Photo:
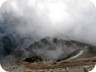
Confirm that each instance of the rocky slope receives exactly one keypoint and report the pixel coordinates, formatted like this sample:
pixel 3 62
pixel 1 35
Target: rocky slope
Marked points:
pixel 58 49
pixel 52 49
pixel 52 54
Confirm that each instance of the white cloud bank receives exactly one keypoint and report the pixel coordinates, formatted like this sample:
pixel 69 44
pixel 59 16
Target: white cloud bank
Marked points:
pixel 58 18
pixel 1 2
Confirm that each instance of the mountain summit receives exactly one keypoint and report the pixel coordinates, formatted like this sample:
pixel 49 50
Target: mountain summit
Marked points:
pixel 58 49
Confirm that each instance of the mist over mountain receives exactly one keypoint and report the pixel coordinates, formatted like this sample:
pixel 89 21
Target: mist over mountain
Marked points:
pixel 51 49
pixel 56 49
pixel 22 23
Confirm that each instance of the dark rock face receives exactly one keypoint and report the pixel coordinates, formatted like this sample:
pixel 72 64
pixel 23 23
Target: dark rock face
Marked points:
pixel 34 59
pixel 7 45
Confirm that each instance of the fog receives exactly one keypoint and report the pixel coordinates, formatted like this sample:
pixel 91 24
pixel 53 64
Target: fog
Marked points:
pixel 27 21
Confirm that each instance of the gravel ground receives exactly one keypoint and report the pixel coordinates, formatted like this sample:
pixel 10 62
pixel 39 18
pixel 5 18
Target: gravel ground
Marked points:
pixel 15 68
pixel 74 66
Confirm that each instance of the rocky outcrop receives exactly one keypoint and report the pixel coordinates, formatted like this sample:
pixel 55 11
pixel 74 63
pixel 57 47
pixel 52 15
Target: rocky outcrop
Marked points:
pixel 34 59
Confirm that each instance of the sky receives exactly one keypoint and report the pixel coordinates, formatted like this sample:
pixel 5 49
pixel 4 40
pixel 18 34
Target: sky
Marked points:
pixel 71 19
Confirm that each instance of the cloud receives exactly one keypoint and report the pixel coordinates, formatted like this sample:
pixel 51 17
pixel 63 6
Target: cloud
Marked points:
pixel 1 2
pixel 23 22
pixel 94 2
